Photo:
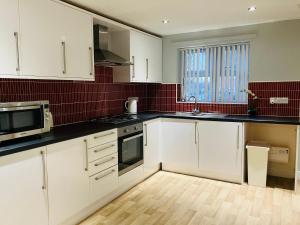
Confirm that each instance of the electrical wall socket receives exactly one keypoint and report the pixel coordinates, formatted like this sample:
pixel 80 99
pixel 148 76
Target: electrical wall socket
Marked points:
pixel 274 100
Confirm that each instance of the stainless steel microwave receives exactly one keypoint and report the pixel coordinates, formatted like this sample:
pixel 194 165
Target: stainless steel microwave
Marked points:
pixel 21 119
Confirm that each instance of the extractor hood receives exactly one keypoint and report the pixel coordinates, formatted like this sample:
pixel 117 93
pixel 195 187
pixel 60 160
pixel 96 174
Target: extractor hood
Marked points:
pixel 102 56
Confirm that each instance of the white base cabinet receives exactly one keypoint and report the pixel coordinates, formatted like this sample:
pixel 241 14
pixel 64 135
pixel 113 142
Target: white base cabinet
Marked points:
pixel 221 148
pixel 22 197
pixel 204 148
pixel 151 147
pixel 179 144
pixel 68 180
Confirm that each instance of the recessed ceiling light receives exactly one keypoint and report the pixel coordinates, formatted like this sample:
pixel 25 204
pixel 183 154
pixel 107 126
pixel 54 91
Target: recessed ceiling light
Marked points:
pixel 165 21
pixel 252 8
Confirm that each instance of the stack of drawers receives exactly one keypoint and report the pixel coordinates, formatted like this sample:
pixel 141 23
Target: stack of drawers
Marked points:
pixel 102 149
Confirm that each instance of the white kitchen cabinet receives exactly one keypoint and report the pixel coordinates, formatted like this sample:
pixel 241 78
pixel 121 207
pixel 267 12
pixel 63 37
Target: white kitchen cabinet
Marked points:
pixel 40 38
pixel 221 150
pixel 179 145
pixel 68 179
pixel 52 47
pixel 23 199
pixel 103 183
pixel 151 147
pixel 154 60
pixel 144 51
pixel 9 31
pixel 77 38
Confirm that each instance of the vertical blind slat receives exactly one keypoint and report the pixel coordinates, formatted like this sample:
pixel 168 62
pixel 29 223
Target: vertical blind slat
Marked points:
pixel 232 87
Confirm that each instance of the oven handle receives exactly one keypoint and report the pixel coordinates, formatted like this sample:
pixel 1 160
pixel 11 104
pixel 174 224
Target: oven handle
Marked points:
pixel 133 137
pixel 7 109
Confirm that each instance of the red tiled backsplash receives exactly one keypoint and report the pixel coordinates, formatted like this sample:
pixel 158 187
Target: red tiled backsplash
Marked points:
pixel 163 98
pixel 74 101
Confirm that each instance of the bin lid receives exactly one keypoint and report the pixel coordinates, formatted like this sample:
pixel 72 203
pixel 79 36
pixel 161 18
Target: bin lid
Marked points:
pixel 258 144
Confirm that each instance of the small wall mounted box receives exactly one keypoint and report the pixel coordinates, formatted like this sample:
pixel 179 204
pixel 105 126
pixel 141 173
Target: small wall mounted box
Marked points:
pixel 274 100
pixel 279 155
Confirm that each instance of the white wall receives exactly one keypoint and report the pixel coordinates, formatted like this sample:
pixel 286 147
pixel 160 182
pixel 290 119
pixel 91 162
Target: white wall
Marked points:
pixel 275 50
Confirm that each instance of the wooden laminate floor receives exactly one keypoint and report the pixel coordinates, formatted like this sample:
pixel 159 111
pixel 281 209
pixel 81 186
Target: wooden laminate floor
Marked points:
pixel 168 198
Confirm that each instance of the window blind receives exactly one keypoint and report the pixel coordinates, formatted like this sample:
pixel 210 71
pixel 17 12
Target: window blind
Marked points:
pixel 215 73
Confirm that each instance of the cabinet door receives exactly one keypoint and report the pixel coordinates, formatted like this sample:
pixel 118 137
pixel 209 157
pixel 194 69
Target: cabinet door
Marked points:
pixel 77 35
pixel 179 144
pixel 221 150
pixel 67 178
pixel 41 51
pixel 151 147
pixel 9 24
pixel 154 59
pixel 23 199
pixel 138 56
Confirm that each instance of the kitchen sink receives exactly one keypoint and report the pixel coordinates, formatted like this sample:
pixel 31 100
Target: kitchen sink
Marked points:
pixel 201 114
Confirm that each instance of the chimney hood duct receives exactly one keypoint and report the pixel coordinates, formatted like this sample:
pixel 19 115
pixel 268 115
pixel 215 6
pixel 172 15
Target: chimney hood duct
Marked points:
pixel 102 56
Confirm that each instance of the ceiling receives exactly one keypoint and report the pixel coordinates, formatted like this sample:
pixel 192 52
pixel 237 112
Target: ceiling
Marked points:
pixel 193 15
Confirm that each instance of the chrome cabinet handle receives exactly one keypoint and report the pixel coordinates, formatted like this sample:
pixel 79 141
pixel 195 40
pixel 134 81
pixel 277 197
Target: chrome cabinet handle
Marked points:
pixel 16 34
pixel 104 161
pixel 195 132
pixel 44 170
pixel 102 149
pixel 86 156
pixel 147 68
pixel 133 67
pixel 103 135
pixel 238 138
pixel 91 60
pixel 63 44
pixel 146 135
pixel 104 175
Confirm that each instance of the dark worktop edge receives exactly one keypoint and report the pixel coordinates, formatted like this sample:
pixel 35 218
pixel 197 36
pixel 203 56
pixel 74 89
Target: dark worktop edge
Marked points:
pixel 77 130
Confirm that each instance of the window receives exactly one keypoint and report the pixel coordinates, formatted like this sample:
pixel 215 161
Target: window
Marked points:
pixel 215 73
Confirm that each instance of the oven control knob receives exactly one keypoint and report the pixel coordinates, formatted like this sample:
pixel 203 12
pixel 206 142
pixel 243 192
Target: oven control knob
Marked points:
pixel 135 128
pixel 126 130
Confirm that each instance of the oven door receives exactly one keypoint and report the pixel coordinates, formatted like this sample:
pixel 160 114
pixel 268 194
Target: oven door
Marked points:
pixel 130 152
pixel 20 121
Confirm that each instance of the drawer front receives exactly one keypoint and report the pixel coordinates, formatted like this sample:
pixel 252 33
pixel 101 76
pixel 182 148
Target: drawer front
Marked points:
pixel 102 138
pixel 102 151
pixel 103 183
pixel 103 164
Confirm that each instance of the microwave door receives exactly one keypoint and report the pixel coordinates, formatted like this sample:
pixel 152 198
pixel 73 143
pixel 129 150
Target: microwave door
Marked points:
pixel 13 121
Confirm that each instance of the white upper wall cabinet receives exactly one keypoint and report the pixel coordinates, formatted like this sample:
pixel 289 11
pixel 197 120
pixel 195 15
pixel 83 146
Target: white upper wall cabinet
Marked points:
pixel 41 52
pixel 77 43
pixel 9 30
pixel 144 51
pixel 154 60
pixel 44 39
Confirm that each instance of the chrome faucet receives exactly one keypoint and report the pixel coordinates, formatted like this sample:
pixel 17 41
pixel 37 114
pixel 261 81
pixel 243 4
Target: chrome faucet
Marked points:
pixel 196 109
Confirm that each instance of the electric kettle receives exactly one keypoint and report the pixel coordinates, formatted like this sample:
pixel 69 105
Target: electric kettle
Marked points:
pixel 131 105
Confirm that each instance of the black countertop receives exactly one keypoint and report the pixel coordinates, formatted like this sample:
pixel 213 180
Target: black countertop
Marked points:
pixel 66 132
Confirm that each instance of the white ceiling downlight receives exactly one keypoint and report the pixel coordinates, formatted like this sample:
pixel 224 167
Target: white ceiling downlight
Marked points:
pixel 252 8
pixel 165 21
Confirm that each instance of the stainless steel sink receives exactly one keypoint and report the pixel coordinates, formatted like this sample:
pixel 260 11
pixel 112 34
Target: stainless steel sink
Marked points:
pixel 202 114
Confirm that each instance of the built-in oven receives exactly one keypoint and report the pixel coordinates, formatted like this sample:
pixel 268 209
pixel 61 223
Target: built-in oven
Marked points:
pixel 20 119
pixel 130 147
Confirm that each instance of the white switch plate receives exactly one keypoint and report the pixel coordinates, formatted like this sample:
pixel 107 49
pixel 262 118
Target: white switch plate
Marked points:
pixel 279 100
